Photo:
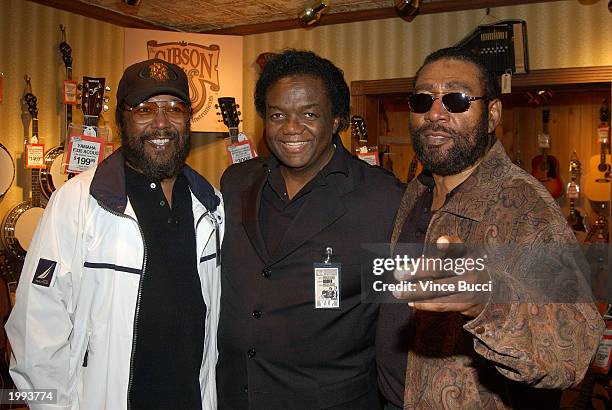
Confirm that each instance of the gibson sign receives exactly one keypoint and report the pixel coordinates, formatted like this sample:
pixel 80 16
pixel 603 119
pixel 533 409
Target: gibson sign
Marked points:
pixel 213 65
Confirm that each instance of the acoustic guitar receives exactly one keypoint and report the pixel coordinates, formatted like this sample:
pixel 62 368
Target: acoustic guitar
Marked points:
pixel 20 223
pixel 228 110
pixel 545 167
pixel 597 179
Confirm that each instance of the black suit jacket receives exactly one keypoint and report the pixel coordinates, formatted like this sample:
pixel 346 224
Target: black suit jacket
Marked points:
pixel 276 351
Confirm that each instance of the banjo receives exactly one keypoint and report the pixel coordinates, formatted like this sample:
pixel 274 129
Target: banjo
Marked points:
pixel 20 223
pixel 7 170
pixel 52 176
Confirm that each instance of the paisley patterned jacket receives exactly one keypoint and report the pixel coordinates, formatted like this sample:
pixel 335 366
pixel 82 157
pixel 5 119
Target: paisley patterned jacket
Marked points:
pixel 513 355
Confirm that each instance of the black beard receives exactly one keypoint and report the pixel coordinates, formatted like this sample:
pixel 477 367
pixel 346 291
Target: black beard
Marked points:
pixel 134 153
pixel 467 148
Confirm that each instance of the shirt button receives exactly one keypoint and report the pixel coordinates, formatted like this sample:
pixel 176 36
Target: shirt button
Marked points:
pixel 162 202
pixel 153 185
pixel 246 389
pixel 251 353
pixel 266 273
pixel 256 314
pixel 480 330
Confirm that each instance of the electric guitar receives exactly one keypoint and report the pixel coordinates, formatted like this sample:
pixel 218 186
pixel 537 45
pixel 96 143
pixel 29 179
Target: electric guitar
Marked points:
pixel 576 218
pixel 545 167
pixel 597 181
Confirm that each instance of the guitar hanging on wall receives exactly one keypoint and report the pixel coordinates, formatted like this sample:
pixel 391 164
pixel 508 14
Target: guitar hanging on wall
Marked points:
pixel 545 167
pixel 365 153
pixel 576 218
pixel 239 147
pixel 20 223
pixel 52 176
pixel 597 179
pixel 86 148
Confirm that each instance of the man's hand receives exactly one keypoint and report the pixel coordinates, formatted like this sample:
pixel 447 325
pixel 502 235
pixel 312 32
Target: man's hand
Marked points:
pixel 438 290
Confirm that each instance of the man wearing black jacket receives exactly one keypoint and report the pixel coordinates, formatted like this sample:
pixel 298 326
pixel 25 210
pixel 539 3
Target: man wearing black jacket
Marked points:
pixel 283 342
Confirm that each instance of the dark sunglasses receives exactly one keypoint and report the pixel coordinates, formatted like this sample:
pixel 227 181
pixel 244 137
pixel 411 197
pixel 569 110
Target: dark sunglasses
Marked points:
pixel 455 103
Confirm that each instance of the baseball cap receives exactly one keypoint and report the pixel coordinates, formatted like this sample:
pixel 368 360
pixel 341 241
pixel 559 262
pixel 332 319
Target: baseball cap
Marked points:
pixel 145 79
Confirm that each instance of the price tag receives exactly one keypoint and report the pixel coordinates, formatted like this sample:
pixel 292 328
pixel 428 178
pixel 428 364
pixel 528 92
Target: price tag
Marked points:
pixel 573 190
pixel 506 82
pixel 369 155
pixel 240 151
pixel 544 141
pixel 602 133
pixel 84 152
pixel 35 156
pixel 70 92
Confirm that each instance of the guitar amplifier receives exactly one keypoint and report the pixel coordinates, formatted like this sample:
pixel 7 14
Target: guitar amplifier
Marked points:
pixel 502 46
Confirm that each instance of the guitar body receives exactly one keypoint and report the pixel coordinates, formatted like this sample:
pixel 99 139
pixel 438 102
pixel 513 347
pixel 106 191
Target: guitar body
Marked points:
pixel 545 168
pixel 52 176
pixel 596 184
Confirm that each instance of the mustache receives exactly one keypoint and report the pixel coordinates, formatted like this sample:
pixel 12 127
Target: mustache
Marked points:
pixel 435 127
pixel 163 133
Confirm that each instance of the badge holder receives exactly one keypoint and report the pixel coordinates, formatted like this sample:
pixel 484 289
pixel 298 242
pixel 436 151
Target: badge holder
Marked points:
pixel 86 147
pixel 327 282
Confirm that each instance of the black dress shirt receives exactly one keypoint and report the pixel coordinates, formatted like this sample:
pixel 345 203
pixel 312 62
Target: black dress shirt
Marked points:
pixel 170 323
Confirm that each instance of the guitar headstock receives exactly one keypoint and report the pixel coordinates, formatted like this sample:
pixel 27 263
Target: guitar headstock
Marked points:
pixel 93 99
pixel 65 49
pixel 30 99
pixel 228 110
pixel 358 128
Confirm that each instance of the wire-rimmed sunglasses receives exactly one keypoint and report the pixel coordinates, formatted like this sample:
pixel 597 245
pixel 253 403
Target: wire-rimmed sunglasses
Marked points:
pixel 145 112
pixel 454 103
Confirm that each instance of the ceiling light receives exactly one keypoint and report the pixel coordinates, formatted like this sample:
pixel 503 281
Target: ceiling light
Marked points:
pixel 310 14
pixel 407 9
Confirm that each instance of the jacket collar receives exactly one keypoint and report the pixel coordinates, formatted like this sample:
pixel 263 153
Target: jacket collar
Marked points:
pixel 324 207
pixel 108 185
pixel 466 200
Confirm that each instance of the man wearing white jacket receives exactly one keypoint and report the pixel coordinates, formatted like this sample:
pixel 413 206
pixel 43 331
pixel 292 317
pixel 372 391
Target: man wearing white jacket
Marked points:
pixel 118 301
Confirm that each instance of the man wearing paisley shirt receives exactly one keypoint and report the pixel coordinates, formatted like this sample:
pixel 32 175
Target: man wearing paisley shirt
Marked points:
pixel 450 351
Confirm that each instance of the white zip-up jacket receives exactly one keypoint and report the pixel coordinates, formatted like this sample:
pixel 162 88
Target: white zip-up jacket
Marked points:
pixel 79 291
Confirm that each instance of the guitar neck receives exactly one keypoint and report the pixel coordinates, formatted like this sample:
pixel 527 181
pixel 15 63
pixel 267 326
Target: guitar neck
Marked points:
pixel 233 133
pixel 67 110
pixel 35 171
